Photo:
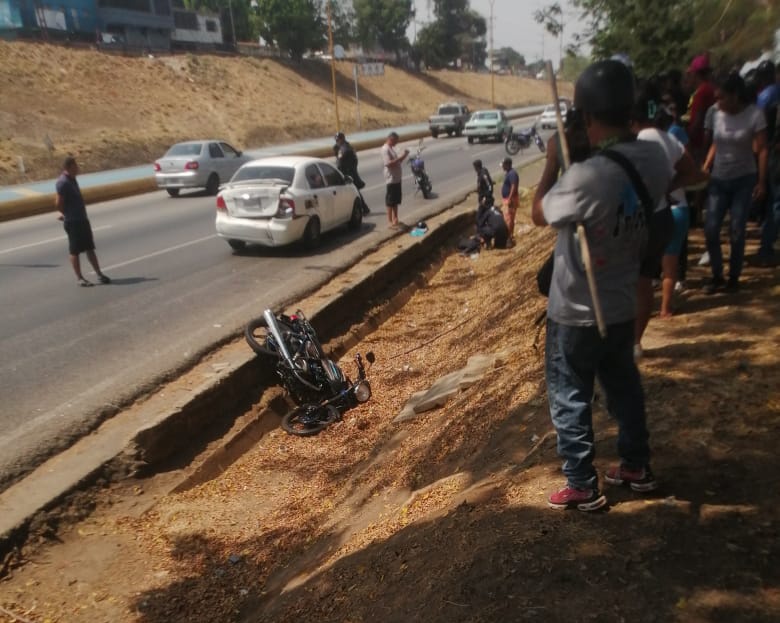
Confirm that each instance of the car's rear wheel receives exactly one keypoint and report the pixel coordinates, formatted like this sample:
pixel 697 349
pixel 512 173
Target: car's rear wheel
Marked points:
pixel 470 139
pixel 434 134
pixel 312 233
pixel 459 132
pixel 356 220
pixel 173 192
pixel 237 245
pixel 212 186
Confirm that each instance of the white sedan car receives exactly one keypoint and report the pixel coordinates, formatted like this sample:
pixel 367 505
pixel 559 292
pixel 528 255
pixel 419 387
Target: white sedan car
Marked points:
pixel 281 200
pixel 548 118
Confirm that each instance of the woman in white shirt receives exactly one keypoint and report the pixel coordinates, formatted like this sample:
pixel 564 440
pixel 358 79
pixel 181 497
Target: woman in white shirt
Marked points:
pixel 737 159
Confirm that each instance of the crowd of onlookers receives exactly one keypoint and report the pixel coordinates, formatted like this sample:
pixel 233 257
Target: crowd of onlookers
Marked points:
pixel 648 157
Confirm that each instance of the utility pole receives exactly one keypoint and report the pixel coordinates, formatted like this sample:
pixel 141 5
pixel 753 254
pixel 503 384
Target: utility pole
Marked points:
pixel 232 25
pixel 492 76
pixel 333 71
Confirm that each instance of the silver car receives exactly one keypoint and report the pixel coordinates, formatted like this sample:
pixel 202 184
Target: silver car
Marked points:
pixel 197 164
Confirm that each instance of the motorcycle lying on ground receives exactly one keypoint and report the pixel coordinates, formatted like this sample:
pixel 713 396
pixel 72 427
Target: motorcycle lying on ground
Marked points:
pixel 319 388
pixel 421 179
pixel 515 141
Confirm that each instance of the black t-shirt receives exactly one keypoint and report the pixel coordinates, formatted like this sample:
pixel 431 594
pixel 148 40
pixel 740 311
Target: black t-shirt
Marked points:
pixel 484 183
pixel 347 157
pixel 73 207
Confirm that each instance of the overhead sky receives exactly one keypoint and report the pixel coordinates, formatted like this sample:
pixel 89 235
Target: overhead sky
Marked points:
pixel 514 26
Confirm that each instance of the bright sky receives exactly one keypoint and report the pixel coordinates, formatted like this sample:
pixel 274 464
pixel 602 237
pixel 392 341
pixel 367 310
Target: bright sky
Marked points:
pixel 514 26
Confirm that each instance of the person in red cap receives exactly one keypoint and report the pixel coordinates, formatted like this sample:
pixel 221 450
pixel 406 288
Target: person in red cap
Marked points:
pixel 703 97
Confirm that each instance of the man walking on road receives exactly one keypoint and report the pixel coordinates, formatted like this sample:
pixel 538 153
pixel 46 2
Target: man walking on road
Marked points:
pixel 73 213
pixel 600 194
pixel 391 162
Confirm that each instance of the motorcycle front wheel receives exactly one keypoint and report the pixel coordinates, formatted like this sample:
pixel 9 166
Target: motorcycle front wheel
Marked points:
pixel 308 420
pixel 512 145
pixel 540 145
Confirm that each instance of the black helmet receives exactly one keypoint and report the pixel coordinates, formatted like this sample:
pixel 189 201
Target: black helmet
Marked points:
pixel 605 88
pixel 422 225
pixel 340 135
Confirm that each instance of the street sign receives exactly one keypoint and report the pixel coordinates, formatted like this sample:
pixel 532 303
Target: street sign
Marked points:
pixel 372 69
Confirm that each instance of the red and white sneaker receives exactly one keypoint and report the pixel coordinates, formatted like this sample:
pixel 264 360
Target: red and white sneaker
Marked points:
pixel 581 499
pixel 641 480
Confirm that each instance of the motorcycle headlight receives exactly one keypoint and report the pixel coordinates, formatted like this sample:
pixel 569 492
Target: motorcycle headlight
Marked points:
pixel 362 391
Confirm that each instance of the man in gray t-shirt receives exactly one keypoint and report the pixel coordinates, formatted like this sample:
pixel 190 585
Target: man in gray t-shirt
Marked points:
pixel 391 162
pixel 599 194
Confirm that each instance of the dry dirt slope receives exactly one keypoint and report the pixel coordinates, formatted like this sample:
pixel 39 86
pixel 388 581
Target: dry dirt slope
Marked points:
pixel 443 519
pixel 115 111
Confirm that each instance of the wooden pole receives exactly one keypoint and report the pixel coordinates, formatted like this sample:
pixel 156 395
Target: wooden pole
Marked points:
pixel 492 75
pixel 333 71
pixel 581 235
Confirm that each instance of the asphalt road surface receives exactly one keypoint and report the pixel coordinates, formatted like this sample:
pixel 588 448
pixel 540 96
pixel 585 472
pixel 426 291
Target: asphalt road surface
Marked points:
pixel 70 354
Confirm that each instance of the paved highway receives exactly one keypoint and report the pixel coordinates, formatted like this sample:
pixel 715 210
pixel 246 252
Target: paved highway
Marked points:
pixel 70 356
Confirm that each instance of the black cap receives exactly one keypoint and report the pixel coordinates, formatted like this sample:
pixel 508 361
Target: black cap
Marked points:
pixel 605 87
pixel 340 135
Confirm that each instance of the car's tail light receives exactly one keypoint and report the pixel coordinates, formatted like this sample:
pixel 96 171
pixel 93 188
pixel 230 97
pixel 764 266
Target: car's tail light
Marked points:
pixel 221 203
pixel 191 165
pixel 286 208
pixel 157 167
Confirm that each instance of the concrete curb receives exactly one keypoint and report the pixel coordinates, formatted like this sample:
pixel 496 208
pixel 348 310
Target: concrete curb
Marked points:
pixel 155 428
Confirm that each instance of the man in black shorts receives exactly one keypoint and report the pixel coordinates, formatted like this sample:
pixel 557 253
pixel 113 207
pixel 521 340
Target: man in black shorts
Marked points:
pixel 391 162
pixel 73 214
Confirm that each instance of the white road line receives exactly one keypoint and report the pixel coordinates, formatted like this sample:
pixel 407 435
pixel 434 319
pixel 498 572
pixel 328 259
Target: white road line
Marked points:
pixel 160 252
pixel 57 239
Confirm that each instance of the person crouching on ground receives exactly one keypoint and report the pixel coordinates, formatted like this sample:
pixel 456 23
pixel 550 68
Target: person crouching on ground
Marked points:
pixel 73 214
pixel 491 226
pixel 510 196
pixel 599 194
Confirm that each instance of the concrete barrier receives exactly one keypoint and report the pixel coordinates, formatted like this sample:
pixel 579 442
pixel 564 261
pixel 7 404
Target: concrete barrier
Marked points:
pixel 40 204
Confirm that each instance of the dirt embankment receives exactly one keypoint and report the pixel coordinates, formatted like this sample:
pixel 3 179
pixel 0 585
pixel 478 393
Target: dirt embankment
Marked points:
pixel 116 111
pixel 443 519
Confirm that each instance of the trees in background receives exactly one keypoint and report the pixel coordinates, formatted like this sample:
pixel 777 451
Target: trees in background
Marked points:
pixel 665 34
pixel 295 26
pixel 383 24
pixel 457 35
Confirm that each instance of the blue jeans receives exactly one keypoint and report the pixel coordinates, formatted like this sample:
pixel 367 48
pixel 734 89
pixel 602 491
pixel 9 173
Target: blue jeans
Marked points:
pixel 771 221
pixel 573 358
pixel 732 195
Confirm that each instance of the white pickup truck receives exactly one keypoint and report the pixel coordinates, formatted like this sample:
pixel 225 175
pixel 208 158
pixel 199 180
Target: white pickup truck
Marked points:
pixel 450 118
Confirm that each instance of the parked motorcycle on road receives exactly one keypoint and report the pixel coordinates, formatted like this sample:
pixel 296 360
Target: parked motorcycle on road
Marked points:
pixel 319 388
pixel 515 141
pixel 421 179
